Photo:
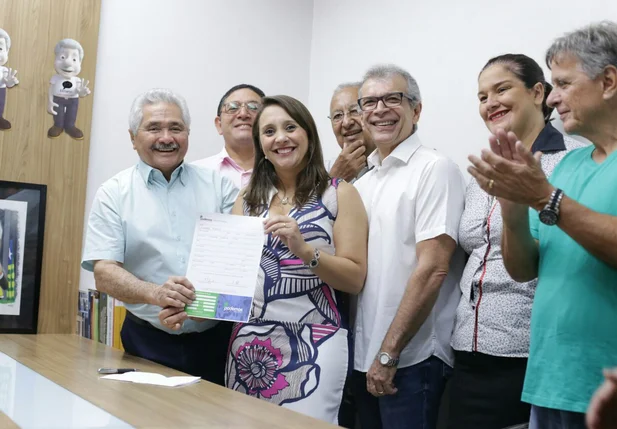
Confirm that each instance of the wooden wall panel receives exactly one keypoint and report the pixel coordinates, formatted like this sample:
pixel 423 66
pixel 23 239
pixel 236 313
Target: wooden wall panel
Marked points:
pixel 28 155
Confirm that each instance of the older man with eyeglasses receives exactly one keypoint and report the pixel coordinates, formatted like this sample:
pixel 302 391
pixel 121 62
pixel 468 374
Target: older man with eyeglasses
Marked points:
pixel 356 143
pixel 414 197
pixel 234 119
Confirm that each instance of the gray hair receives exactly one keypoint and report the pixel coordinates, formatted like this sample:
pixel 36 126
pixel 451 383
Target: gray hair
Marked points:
pixel 384 71
pixel 346 85
pixel 69 44
pixel 154 96
pixel 595 47
pixel 4 35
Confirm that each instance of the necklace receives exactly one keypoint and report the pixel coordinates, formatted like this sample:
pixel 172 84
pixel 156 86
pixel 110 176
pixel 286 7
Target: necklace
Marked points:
pixel 285 200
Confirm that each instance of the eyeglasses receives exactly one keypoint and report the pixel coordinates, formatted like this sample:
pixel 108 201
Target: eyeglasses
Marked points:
pixel 339 115
pixel 234 107
pixel 392 99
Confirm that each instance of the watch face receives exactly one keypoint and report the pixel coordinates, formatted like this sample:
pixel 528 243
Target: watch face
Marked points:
pixel 548 217
pixel 383 359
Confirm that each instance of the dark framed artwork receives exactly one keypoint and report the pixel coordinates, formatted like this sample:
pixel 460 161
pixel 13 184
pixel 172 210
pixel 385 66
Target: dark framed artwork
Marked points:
pixel 22 225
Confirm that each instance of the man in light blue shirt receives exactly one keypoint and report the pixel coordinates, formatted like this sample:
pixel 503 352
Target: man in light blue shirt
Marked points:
pixel 139 238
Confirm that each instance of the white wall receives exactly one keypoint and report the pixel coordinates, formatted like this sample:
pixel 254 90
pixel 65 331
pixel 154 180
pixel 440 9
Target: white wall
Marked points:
pixel 198 48
pixel 443 44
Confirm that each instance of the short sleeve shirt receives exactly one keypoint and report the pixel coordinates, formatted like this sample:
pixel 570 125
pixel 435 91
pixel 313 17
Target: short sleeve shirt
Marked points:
pixel 574 313
pixel 146 223
pixel 414 194
pixel 65 87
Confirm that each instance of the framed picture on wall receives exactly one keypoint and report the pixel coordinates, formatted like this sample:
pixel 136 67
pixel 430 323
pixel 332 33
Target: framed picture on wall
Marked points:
pixel 22 224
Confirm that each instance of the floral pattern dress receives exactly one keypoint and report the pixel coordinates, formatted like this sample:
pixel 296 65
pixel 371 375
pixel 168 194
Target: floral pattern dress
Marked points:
pixel 294 350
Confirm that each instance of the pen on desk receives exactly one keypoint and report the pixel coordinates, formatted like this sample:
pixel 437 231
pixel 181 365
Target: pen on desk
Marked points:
pixel 115 370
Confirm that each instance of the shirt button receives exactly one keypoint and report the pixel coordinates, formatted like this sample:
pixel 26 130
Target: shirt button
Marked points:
pixel 182 260
pixel 173 214
pixel 178 238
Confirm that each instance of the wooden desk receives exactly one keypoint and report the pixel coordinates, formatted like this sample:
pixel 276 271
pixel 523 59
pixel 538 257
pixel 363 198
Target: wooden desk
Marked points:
pixel 72 362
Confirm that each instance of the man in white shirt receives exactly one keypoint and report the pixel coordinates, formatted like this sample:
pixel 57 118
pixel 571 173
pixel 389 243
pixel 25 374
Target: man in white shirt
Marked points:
pixel 235 115
pixel 414 198
pixel 356 143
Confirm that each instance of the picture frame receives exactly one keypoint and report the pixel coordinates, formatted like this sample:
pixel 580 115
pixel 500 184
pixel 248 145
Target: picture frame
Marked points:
pixel 22 229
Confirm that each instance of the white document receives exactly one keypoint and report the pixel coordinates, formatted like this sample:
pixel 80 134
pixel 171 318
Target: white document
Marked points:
pixel 152 378
pixel 223 266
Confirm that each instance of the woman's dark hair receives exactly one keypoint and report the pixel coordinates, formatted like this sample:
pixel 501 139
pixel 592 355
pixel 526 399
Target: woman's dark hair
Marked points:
pixel 529 72
pixel 312 180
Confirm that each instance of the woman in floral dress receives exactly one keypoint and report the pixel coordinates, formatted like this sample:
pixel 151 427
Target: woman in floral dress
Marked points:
pixel 294 349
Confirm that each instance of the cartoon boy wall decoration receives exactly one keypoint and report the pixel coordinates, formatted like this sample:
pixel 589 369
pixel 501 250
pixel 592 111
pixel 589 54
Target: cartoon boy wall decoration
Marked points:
pixel 7 76
pixel 65 89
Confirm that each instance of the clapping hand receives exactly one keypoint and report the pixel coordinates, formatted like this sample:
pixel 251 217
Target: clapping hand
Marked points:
pixel 510 172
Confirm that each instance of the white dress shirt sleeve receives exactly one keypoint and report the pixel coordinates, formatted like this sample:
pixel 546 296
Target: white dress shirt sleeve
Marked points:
pixel 105 235
pixel 440 201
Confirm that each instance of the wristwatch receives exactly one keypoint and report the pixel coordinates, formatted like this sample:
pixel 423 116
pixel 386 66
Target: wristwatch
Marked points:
pixel 314 263
pixel 549 215
pixel 386 360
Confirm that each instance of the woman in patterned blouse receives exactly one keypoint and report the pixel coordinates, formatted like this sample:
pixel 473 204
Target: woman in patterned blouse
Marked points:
pixel 294 349
pixel 491 334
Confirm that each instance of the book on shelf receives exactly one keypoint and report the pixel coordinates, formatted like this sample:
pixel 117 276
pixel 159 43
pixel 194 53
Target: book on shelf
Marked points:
pixel 100 317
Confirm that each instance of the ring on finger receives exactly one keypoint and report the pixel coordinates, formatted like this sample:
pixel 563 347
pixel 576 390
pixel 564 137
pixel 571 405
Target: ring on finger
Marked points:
pixel 491 183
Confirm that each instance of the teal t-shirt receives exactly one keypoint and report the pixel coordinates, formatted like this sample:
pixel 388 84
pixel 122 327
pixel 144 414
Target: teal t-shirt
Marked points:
pixel 574 315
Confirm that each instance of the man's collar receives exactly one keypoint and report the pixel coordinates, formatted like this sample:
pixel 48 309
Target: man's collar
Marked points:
pixel 223 154
pixel 549 140
pixel 146 172
pixel 403 152
pixel 225 157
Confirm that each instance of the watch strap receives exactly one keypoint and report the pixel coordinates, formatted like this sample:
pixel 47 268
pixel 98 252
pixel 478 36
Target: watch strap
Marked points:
pixel 554 201
pixel 391 361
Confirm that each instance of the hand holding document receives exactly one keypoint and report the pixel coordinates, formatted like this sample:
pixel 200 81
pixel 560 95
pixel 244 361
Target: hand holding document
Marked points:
pixel 152 378
pixel 223 266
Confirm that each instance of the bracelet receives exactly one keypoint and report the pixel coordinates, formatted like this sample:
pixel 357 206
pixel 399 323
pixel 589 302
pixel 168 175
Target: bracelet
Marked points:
pixel 314 263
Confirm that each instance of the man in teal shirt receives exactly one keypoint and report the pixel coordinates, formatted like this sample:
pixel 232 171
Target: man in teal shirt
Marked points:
pixel 569 236
pixel 139 238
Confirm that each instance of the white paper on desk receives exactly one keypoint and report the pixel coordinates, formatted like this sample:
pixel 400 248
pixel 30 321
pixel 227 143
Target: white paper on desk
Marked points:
pixel 152 378
pixel 223 266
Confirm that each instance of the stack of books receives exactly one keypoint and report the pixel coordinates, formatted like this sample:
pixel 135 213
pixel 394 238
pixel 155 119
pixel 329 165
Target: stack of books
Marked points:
pixel 100 317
